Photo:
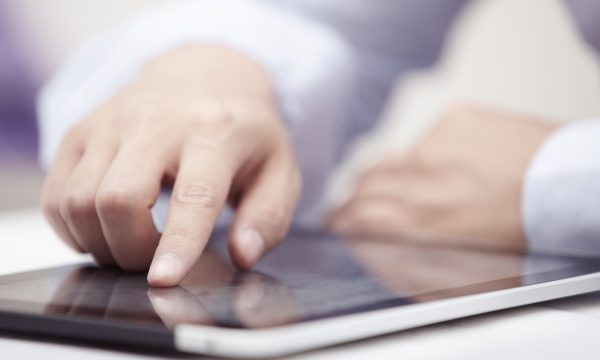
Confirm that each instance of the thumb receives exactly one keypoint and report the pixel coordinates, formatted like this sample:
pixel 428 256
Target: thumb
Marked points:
pixel 265 211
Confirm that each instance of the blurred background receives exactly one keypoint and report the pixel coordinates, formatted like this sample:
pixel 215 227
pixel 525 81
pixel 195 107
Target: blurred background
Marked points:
pixel 524 56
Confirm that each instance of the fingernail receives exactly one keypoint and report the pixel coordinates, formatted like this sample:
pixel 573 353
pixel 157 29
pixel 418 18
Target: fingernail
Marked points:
pixel 252 245
pixel 164 270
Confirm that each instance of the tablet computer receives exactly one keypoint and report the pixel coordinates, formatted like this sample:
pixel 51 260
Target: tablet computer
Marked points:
pixel 312 291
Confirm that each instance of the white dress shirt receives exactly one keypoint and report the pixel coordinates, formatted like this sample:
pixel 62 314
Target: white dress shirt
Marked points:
pixel 332 64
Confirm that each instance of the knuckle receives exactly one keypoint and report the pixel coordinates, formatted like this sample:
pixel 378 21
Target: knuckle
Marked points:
pixel 213 114
pixel 109 201
pixel 220 116
pixel 202 141
pixel 78 204
pixel 215 122
pixel 50 206
pixel 203 196
pixel 140 113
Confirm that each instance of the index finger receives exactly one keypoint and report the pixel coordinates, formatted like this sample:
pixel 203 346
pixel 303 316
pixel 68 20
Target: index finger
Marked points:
pixel 200 191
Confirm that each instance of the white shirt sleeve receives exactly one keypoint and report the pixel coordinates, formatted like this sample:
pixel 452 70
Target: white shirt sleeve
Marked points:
pixel 332 64
pixel 310 65
pixel 561 194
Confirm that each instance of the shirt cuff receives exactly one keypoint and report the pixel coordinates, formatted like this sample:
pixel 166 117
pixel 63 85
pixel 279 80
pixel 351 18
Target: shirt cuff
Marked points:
pixel 561 195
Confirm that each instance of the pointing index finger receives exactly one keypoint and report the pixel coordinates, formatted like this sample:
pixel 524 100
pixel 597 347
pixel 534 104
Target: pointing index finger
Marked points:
pixel 199 194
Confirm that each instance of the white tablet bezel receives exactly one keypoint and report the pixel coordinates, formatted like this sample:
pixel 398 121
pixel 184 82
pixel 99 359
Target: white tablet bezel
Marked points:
pixel 285 340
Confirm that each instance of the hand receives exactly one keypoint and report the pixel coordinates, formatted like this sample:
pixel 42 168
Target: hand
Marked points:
pixel 203 118
pixel 460 186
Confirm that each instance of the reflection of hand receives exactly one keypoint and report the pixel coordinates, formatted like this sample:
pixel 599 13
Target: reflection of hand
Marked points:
pixel 211 292
pixel 255 299
pixel 261 301
pixel 461 185
pixel 203 117
pixel 110 293
pixel 424 272
pixel 107 294
pixel 214 288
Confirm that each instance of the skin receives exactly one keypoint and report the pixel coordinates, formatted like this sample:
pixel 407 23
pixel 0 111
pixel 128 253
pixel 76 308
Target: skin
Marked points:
pixel 461 185
pixel 201 119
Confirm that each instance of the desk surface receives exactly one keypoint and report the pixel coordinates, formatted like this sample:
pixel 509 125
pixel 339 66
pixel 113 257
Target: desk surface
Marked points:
pixel 568 328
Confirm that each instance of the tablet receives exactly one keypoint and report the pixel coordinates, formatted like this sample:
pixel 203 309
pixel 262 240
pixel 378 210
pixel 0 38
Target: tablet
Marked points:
pixel 312 291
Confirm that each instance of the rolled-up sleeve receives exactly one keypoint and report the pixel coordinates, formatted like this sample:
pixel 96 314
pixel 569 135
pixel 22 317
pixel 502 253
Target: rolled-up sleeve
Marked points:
pixel 561 194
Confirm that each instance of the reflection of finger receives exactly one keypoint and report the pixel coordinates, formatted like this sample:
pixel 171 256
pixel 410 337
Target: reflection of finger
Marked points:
pixel 128 300
pixel 93 294
pixel 266 209
pixel 261 301
pixel 66 293
pixel 177 306
pixel 250 293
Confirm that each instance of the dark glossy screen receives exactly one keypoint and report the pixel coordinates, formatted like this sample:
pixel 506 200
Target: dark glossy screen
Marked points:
pixel 308 277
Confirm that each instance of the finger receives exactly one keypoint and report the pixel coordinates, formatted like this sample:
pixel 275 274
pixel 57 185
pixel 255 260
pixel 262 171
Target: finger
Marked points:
pixel 265 211
pixel 124 201
pixel 371 217
pixel 390 165
pixel 67 156
pixel 377 186
pixel 383 185
pixel 77 205
pixel 200 191
pixel 379 217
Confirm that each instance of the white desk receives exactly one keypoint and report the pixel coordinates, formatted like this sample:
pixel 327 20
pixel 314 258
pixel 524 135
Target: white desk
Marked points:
pixel 563 329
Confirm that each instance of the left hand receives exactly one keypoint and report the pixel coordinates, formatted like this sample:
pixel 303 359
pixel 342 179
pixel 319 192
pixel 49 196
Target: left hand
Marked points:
pixel 460 186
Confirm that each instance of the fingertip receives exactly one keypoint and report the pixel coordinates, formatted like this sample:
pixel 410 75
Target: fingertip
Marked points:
pixel 165 271
pixel 247 248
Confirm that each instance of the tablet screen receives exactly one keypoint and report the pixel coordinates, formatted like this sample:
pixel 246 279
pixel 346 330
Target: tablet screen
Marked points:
pixel 308 277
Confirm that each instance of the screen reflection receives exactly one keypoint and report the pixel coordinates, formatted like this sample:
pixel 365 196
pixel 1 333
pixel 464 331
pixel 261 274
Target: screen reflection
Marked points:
pixel 308 277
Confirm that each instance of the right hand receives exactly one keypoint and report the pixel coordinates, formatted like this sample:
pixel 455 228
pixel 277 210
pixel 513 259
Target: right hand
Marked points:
pixel 203 118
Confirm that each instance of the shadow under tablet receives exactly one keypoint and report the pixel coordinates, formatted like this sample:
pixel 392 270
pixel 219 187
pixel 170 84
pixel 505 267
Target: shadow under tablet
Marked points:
pixel 309 277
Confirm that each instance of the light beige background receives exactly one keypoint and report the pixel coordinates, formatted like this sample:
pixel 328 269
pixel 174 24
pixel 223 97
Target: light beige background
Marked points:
pixel 519 55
